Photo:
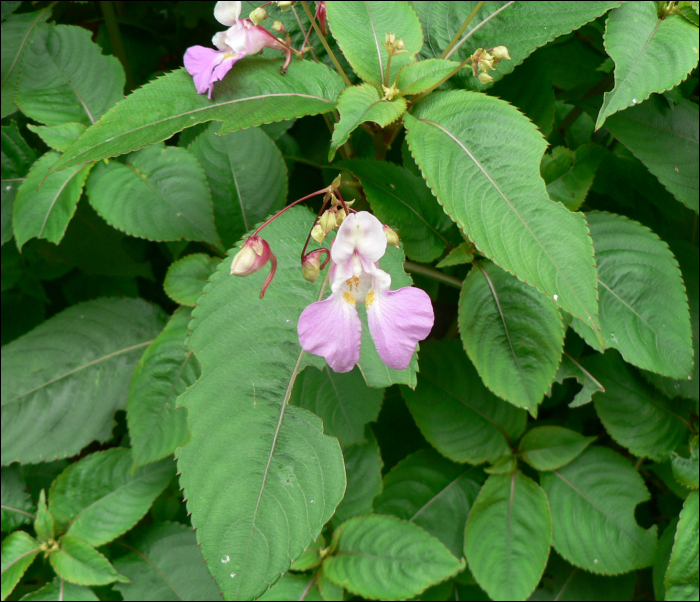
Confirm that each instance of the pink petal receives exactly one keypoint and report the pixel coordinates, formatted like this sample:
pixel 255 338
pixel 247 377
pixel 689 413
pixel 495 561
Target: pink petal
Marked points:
pixel 227 13
pixel 362 233
pixel 397 321
pixel 207 66
pixel 332 329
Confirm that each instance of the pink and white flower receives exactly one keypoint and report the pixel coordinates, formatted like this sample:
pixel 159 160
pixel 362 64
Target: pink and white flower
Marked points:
pixel 243 38
pixel 397 319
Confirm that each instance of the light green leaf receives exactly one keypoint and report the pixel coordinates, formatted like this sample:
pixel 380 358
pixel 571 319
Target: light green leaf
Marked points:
pixel 330 591
pixel 159 193
pixel 363 470
pixel 260 477
pixel 512 334
pixel 247 177
pixel 18 551
pixel 685 470
pixel 17 507
pixel 651 54
pixel 360 27
pixel 508 536
pixel 569 174
pixel 165 564
pixel 633 412
pixel 157 426
pixel 59 137
pixel 415 78
pixel 186 278
pixel 17 158
pixel 294 587
pixel 457 256
pixel 252 93
pixel 385 558
pixel 643 304
pixel 682 574
pixel 403 201
pixel 571 368
pixel 45 203
pixel 359 104
pixel 44 524
pixel 311 557
pixel 100 497
pixel 18 34
pixel 593 501
pixel 52 376
pixel 60 589
pixel 455 412
pixel 551 447
pixel 665 139
pixel 432 492
pixel 65 77
pixel 520 26
pixel 342 401
pixel 493 155
pixel 80 563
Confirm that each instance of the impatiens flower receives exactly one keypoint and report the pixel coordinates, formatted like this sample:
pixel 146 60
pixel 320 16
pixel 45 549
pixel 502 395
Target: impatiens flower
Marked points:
pixel 243 38
pixel 252 257
pixel 397 319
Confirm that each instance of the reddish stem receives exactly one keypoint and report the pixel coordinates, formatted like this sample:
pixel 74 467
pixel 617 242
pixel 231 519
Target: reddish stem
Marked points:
pixel 276 215
pixel 308 238
pixel 271 275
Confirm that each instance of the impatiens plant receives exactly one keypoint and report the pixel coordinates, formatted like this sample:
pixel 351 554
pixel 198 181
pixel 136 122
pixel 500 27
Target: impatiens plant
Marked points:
pixel 351 300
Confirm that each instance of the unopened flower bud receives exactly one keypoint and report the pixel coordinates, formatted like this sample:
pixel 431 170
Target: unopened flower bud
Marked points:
pixel 486 62
pixel 277 26
pixel 254 254
pixel 400 44
pixel 327 221
pixel 389 38
pixel 284 5
pixel 391 93
pixel 310 267
pixel 318 234
pixel 485 78
pixel 340 216
pixel 258 16
pixel 392 238
pixel 500 53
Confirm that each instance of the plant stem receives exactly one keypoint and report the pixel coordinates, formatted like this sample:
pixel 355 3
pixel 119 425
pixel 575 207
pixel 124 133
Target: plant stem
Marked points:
pixel 115 39
pixel 306 35
pixel 276 215
pixel 325 44
pixel 456 70
pixel 415 268
pixel 456 37
pixel 473 31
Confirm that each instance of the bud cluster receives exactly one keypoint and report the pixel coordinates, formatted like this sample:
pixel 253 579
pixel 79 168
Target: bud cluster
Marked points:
pixel 392 45
pixel 484 61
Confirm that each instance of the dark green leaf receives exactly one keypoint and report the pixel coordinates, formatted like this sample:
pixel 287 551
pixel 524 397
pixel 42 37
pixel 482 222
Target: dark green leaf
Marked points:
pixel 571 368
pixel 551 447
pixel 186 278
pixel 573 63
pixel 294 587
pixel 662 557
pixel 59 137
pixel 44 524
pixel 457 256
pixel 17 507
pixel 17 158
pixel 79 563
pixel 18 551
pixel 685 470
pixel 682 575
pixel 569 174
pixel 60 589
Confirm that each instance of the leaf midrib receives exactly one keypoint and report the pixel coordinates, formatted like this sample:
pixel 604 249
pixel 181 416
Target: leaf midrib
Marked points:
pixel 55 199
pixel 155 568
pixel 21 46
pixel 438 495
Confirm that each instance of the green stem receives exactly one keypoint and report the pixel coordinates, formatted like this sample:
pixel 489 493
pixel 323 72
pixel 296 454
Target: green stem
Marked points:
pixel 479 26
pixel 115 39
pixel 415 268
pixel 456 37
pixel 325 43
pixel 388 69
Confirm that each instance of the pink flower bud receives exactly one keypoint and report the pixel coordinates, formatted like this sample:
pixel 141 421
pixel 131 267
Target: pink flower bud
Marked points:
pixel 252 257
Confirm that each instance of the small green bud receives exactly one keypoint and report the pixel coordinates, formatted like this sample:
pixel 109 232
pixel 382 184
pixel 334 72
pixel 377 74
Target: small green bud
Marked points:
pixel 258 16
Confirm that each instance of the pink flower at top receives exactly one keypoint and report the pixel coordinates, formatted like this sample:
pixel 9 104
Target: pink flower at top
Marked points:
pixel 243 38
pixel 397 319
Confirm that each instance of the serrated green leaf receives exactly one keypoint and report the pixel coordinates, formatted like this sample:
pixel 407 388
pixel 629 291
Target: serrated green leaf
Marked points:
pixel 157 426
pixel 100 497
pixel 60 589
pixel 651 54
pixel 17 158
pixel 58 137
pixel 260 477
pixel 512 334
pixel 663 555
pixel 685 470
pixel 569 174
pixel 363 470
pixel 520 26
pixel 311 557
pixel 643 304
pixel 44 524
pixel 455 412
pixel 252 93
pixel 494 154
pixel 186 277
pixel 458 255
pixel 508 536
pixel 415 78
pixel 571 368
pixel 159 193
pixel 551 447
pixel 294 587
pixel 359 104
pixel 343 401
pixel 504 465
pixel 52 376
pixel 65 77
pixel 165 564
pixel 573 63
pixel 593 500
pixel 372 21
pixel 247 177
pixel 432 492
pixel 682 574
pixel 80 563
pixel 383 557
pixel 665 139
pixel 18 551
pixel 330 591
pixel 18 34
pixel 403 201
pixel 17 506
pixel 634 413
pixel 45 203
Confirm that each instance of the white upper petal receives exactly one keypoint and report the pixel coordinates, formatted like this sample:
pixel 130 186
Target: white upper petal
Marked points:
pixel 360 233
pixel 227 13
pixel 219 40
